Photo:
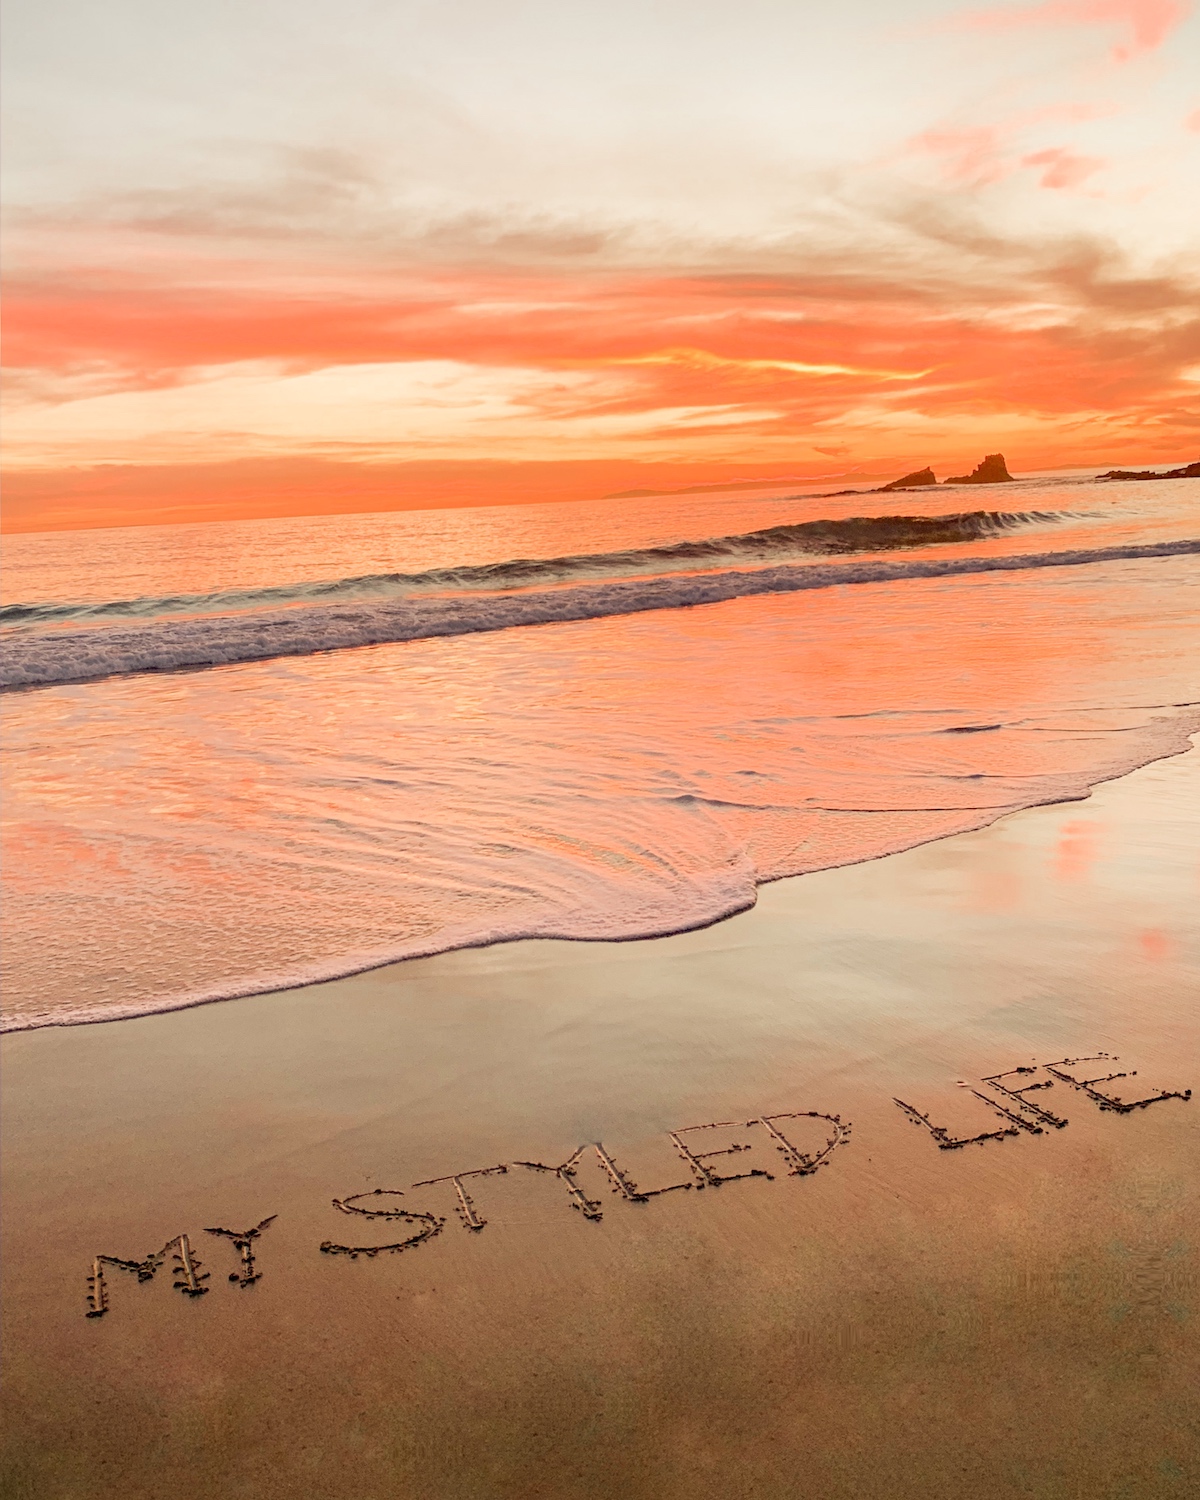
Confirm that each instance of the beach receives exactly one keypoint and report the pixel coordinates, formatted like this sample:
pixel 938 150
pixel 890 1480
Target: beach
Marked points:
pixel 871 1315
pixel 600 752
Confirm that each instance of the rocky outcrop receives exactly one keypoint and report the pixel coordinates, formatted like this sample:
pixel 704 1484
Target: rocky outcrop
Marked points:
pixel 913 481
pixel 992 470
pixel 1189 471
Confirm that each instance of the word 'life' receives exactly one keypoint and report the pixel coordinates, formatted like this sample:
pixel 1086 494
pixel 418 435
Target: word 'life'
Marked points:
pixel 1012 1102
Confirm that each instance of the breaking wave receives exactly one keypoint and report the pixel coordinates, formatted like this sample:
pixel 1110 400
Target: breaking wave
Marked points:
pixel 774 543
pixel 67 656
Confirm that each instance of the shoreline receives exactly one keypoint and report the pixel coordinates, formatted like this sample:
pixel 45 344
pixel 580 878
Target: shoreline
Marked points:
pixel 1180 733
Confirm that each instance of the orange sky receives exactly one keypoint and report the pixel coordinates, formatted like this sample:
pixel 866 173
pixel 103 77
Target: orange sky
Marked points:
pixel 482 281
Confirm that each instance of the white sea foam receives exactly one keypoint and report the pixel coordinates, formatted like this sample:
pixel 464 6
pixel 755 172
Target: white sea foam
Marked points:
pixel 622 914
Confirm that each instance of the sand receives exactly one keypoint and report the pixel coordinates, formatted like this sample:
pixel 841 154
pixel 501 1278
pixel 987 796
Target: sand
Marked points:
pixel 1016 1317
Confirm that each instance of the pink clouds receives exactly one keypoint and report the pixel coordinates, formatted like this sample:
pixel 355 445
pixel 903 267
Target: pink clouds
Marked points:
pixel 1146 23
pixel 977 156
pixel 1063 169
pixel 969 155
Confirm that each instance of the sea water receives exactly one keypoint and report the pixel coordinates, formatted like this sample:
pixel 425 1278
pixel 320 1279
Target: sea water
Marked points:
pixel 248 755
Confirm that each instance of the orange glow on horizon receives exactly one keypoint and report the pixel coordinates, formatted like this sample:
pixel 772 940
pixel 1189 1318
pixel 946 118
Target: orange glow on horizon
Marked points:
pixel 137 403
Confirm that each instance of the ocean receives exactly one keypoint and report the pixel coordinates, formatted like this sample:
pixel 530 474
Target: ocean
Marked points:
pixel 245 756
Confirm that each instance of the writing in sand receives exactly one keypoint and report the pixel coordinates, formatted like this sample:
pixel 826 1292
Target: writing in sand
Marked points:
pixel 708 1161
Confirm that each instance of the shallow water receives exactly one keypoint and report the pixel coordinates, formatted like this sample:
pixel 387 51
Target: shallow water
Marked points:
pixel 181 837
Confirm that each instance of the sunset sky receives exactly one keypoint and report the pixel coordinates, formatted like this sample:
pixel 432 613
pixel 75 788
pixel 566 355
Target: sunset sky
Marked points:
pixel 284 258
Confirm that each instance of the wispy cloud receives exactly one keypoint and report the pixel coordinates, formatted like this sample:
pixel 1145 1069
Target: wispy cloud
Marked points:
pixel 1145 24
pixel 705 360
pixel 1061 168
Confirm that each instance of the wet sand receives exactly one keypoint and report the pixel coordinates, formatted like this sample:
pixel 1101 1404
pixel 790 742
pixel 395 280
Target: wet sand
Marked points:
pixel 1010 1318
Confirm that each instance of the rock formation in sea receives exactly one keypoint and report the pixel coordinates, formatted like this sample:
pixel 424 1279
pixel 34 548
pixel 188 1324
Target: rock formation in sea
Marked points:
pixel 992 470
pixel 911 481
pixel 1189 471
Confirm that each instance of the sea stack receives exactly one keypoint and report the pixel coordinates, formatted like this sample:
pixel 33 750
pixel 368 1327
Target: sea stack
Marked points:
pixel 912 481
pixel 992 470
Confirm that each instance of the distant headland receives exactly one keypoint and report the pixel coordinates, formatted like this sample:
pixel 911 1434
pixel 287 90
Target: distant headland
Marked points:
pixel 1188 471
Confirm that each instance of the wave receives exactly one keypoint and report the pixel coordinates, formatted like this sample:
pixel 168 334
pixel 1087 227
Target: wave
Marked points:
pixel 704 899
pixel 814 538
pixel 66 656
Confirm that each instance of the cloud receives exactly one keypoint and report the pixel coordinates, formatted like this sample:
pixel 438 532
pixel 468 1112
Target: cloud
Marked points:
pixel 294 203
pixel 899 324
pixel 704 359
pixel 878 299
pixel 1063 169
pixel 293 188
pixel 971 154
pixel 584 367
pixel 1146 23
